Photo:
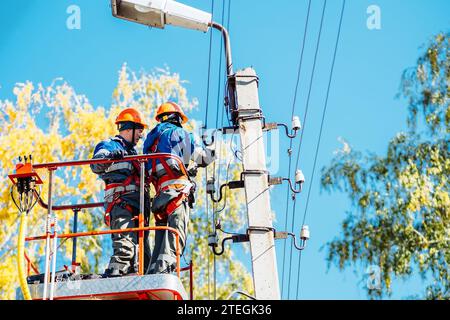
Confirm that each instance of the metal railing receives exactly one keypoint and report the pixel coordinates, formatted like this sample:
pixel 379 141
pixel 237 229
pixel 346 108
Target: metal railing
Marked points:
pixel 51 217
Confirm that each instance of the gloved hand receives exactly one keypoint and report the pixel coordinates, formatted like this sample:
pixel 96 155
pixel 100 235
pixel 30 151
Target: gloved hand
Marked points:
pixel 117 154
pixel 192 172
pixel 204 157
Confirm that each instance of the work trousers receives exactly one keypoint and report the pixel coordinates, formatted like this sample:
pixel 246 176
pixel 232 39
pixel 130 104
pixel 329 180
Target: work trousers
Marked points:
pixel 164 252
pixel 125 245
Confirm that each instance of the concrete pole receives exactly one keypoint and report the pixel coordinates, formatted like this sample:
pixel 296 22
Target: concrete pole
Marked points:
pixel 262 246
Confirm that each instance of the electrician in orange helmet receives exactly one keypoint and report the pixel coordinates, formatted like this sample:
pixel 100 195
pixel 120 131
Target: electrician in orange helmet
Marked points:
pixel 122 200
pixel 174 191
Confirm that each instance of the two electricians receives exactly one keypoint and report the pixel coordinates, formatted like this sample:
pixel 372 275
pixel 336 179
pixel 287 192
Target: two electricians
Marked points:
pixel 174 190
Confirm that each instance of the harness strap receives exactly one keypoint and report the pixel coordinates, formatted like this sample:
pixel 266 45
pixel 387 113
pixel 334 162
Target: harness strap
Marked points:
pixel 154 146
pixel 107 215
pixel 120 189
pixel 170 208
pixel 113 191
pixel 183 182
pixel 154 149
pixel 119 166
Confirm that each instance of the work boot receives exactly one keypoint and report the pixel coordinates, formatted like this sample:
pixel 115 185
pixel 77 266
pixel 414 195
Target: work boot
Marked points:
pixel 112 273
pixel 170 269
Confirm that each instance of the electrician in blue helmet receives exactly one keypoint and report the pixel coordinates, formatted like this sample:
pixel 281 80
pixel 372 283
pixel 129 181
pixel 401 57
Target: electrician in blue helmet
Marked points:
pixel 122 196
pixel 174 190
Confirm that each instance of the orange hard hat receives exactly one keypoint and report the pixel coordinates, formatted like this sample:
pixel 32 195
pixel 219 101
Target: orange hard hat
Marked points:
pixel 170 107
pixel 130 115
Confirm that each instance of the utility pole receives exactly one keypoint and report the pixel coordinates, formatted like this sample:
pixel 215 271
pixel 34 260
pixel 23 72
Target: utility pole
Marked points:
pixel 261 235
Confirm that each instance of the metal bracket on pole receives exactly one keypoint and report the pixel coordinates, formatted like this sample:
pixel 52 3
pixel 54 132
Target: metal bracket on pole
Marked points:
pixel 210 188
pixel 224 130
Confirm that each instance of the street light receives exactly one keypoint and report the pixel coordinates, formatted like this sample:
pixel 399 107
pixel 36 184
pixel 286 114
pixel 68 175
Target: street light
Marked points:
pixel 158 13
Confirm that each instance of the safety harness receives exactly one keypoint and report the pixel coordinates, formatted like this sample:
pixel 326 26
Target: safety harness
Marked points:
pixel 170 180
pixel 114 191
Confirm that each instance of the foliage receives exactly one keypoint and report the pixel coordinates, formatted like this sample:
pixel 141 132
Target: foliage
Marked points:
pixel 401 216
pixel 54 124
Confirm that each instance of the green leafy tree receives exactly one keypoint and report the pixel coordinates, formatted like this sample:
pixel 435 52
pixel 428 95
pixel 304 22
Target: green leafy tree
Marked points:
pixel 55 123
pixel 400 220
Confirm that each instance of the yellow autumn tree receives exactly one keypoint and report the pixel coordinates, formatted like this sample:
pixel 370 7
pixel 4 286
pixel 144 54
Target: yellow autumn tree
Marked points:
pixel 55 123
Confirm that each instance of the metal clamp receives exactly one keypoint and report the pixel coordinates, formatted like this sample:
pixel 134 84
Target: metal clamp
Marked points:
pixel 224 130
pixel 304 236
pixel 279 180
pixel 210 188
pixel 296 126
pixel 256 172
pixel 253 113
pixel 213 243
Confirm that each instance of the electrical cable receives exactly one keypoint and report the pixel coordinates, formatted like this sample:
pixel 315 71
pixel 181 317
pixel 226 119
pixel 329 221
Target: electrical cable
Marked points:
pixel 225 195
pixel 215 144
pixel 291 141
pixel 304 123
pixel 205 127
pixel 241 293
pixel 321 129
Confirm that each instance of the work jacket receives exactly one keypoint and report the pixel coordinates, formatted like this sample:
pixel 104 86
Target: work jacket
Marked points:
pixel 119 172
pixel 167 137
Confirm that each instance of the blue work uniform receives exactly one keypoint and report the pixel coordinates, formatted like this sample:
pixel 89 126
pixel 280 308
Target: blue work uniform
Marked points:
pixel 122 203
pixel 170 138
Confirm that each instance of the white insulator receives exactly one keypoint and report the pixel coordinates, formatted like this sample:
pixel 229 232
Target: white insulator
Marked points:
pixel 296 125
pixel 299 177
pixel 213 240
pixel 304 234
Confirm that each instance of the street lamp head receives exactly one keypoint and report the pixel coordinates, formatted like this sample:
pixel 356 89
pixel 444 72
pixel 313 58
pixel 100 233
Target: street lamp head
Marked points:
pixel 158 13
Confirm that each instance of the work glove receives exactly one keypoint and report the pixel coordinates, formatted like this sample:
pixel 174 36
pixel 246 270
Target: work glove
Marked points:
pixel 207 156
pixel 192 172
pixel 117 154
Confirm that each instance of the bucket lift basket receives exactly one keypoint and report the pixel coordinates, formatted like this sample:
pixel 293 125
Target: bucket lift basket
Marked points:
pixel 131 287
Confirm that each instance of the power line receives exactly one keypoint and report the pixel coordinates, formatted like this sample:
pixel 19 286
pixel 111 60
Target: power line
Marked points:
pixel 310 83
pixel 301 60
pixel 205 126
pixel 215 144
pixel 304 123
pixel 223 109
pixel 291 141
pixel 218 103
pixel 320 131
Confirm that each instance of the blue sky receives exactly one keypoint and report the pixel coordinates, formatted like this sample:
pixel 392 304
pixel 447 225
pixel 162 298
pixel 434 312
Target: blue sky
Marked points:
pixel 36 45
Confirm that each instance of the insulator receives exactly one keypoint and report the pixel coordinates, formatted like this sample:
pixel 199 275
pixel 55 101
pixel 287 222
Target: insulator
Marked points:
pixel 296 125
pixel 213 240
pixel 299 177
pixel 210 187
pixel 304 233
